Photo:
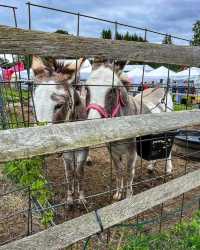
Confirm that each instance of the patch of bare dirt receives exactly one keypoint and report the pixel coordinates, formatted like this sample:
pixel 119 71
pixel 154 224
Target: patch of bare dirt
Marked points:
pixel 13 213
pixel 100 179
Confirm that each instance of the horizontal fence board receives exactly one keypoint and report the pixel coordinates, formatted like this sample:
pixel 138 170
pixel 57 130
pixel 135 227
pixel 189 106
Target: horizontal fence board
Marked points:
pixel 63 235
pixel 28 142
pixel 20 41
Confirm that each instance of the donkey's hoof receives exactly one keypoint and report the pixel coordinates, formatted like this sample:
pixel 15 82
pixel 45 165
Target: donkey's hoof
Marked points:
pixel 82 201
pixel 89 163
pixel 70 201
pixel 169 173
pixel 150 170
pixel 168 170
pixel 117 196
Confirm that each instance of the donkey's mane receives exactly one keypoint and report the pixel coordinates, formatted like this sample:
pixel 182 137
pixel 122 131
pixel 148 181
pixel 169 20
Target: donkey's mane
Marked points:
pixel 60 67
pixel 56 66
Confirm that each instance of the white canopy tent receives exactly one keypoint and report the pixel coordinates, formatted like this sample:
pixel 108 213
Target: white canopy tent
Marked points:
pixel 22 75
pixel 130 67
pixel 160 73
pixel 1 74
pixel 194 72
pixel 184 75
pixel 85 71
pixel 135 76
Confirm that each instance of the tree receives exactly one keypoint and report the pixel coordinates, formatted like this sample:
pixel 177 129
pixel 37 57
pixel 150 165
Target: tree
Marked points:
pixel 106 34
pixel 167 39
pixel 119 36
pixel 196 35
pixel 62 32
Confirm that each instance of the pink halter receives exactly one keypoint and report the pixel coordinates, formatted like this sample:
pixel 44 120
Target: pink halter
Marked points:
pixel 102 111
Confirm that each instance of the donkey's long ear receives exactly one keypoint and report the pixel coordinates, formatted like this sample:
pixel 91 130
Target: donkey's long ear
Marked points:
pixel 97 62
pixel 70 70
pixel 38 67
pixel 73 66
pixel 37 64
pixel 119 66
pixel 125 81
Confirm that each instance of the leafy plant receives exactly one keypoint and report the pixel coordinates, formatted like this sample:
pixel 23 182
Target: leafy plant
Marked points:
pixel 13 95
pixel 29 173
pixel 196 33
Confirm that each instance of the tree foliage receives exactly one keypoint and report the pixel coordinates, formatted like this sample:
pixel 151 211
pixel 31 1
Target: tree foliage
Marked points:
pixel 196 31
pixel 107 34
pixel 167 39
pixel 60 31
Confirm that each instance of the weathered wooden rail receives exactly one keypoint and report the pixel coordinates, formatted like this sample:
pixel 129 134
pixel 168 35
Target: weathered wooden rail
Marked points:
pixel 23 42
pixel 28 142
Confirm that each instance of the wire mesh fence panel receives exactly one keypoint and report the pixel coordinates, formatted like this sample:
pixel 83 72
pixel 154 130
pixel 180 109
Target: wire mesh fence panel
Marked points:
pixel 52 189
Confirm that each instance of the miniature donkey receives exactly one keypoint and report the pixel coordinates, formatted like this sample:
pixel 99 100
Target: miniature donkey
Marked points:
pixel 56 100
pixel 108 97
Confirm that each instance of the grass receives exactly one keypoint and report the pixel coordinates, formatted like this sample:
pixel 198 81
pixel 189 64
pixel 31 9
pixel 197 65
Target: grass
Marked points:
pixel 184 236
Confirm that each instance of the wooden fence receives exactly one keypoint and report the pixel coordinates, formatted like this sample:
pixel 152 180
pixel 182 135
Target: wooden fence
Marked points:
pixel 25 42
pixel 23 143
pixel 28 142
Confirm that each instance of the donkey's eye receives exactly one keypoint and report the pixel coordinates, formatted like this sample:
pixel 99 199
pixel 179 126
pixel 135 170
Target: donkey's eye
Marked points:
pixel 58 106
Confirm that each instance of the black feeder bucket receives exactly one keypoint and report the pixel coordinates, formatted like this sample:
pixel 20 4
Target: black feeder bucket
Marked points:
pixel 156 146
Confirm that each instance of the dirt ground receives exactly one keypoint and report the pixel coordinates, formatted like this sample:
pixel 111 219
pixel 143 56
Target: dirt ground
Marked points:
pixel 13 212
pixel 100 179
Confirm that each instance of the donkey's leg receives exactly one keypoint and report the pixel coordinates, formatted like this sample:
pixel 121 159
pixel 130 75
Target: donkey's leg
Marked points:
pixel 81 157
pixel 119 168
pixel 151 165
pixel 69 175
pixel 89 161
pixel 169 164
pixel 132 158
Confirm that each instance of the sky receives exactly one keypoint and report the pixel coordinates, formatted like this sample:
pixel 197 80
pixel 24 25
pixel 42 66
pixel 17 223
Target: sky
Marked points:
pixel 168 16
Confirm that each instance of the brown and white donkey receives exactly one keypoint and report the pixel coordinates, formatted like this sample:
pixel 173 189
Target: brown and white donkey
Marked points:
pixel 108 97
pixel 56 100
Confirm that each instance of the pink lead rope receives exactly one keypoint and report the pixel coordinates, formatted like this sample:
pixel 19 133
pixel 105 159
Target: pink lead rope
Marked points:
pixel 102 111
